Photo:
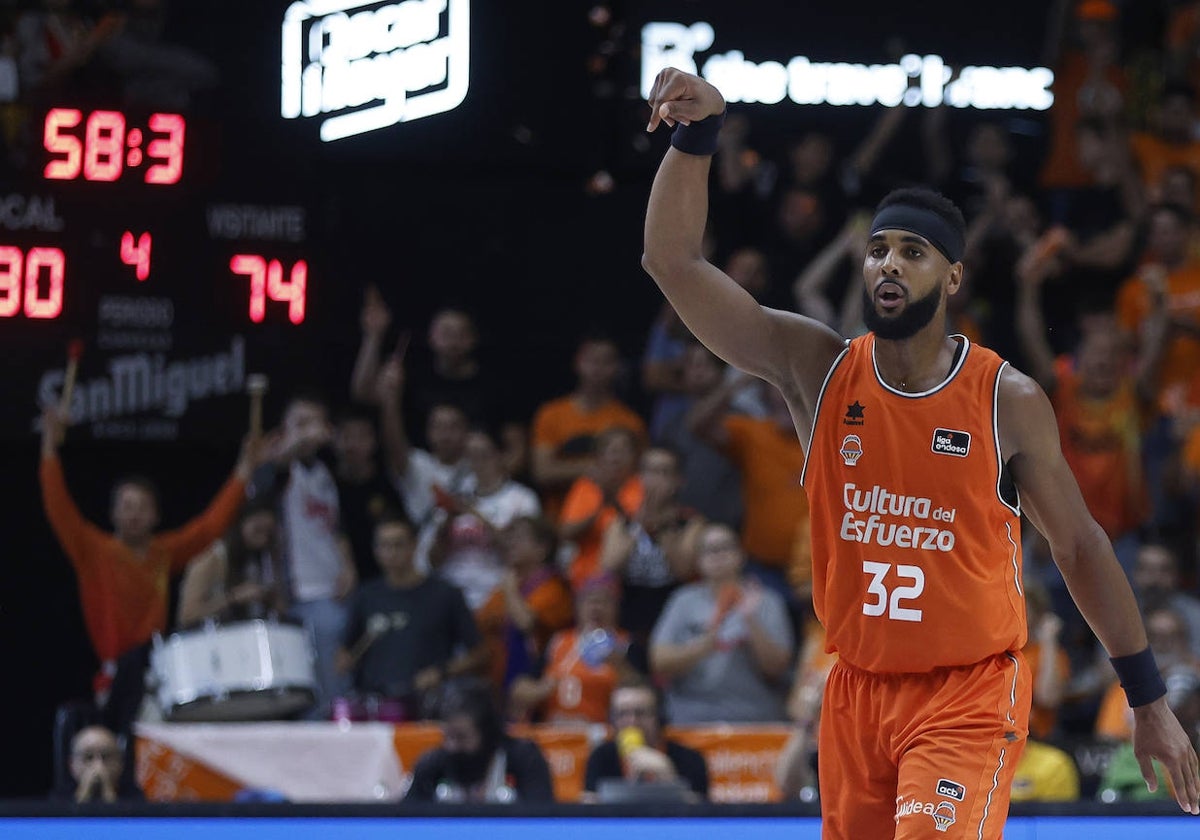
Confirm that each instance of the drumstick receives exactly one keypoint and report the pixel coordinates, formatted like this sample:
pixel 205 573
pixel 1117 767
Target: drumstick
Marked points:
pixel 256 386
pixel 360 647
pixel 74 351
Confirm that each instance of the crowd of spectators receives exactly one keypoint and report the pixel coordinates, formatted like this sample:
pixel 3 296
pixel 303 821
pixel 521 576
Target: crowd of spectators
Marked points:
pixel 578 562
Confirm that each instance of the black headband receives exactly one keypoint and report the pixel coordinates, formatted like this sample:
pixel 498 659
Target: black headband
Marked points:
pixel 940 233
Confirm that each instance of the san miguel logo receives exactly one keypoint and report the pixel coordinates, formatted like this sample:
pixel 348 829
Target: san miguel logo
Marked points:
pixel 951 442
pixel 362 66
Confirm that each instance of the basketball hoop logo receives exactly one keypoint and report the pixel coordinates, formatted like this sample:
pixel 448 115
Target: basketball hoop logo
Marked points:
pixel 852 450
pixel 943 815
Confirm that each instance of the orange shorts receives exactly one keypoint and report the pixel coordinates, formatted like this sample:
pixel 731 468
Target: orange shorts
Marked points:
pixel 928 755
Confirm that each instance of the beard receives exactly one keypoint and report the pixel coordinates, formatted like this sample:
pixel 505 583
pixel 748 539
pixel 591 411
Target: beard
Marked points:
pixel 911 320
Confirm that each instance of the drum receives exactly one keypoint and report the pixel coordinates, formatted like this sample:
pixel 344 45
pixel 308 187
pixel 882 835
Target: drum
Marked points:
pixel 242 671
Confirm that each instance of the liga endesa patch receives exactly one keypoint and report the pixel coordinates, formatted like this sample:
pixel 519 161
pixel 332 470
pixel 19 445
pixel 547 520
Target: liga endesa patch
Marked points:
pixel 951 442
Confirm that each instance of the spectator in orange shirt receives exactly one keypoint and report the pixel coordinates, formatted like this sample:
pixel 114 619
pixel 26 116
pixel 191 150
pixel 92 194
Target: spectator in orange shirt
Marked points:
pixel 582 666
pixel 613 490
pixel 124 576
pixel 1168 284
pixel 1172 141
pixel 770 459
pixel 1083 48
pixel 1172 277
pixel 532 603
pixel 565 429
pixel 1102 396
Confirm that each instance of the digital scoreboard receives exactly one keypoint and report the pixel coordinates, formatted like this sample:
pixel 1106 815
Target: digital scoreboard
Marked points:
pixel 121 233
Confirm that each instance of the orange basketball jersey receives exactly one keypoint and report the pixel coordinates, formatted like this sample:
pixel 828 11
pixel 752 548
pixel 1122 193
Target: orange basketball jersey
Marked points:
pixel 915 532
pixel 583 691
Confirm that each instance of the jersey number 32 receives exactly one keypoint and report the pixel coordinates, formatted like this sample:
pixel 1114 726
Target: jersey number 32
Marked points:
pixel 890 605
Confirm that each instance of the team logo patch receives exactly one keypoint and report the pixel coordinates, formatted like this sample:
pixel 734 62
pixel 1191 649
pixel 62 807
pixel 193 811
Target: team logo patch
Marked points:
pixel 951 790
pixel 943 816
pixel 852 450
pixel 951 442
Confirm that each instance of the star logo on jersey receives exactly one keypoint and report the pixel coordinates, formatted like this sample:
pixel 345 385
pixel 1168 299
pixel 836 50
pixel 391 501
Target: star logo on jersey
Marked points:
pixel 854 414
pixel 851 450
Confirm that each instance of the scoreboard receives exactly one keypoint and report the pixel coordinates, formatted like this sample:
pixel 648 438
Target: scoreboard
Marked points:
pixel 120 234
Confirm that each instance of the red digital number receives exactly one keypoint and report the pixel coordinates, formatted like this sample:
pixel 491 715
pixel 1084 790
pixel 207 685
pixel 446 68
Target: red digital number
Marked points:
pixel 52 260
pixel 291 291
pixel 266 281
pixel 169 149
pixel 136 253
pixel 13 280
pixel 104 146
pixel 11 260
pixel 63 144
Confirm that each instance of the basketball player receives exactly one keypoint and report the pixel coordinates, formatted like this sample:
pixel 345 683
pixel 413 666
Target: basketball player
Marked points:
pixel 922 451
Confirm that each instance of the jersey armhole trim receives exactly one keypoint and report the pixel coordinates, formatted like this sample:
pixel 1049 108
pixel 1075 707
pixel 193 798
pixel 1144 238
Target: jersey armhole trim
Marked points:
pixel 812 432
pixel 1000 467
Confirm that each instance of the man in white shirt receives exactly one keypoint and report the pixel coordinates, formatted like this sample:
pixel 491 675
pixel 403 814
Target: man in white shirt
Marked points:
pixel 320 566
pixel 423 478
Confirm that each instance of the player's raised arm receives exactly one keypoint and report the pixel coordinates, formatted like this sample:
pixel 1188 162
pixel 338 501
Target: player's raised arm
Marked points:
pixel 1050 496
pixel 788 350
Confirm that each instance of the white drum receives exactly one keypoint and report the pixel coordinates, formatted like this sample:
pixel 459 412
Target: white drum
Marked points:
pixel 243 671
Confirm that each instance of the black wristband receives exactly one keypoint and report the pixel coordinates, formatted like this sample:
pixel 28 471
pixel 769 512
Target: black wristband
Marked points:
pixel 699 138
pixel 1139 677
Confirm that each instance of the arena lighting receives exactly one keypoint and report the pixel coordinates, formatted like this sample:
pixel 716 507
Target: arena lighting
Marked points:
pixel 916 80
pixel 364 66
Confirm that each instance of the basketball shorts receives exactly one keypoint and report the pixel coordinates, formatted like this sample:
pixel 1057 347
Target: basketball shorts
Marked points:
pixel 928 755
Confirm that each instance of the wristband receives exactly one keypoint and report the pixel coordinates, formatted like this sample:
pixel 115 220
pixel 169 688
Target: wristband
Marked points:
pixel 699 138
pixel 1139 677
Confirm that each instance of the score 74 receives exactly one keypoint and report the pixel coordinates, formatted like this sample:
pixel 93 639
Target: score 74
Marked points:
pixel 890 605
pixel 266 281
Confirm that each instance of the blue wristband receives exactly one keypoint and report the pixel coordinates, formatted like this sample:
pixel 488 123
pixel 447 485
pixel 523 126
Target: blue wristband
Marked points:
pixel 1139 677
pixel 699 138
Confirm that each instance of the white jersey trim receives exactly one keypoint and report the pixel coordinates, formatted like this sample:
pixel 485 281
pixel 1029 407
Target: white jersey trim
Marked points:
pixel 962 358
pixel 1016 566
pixel 1000 455
pixel 995 783
pixel 812 432
pixel 1012 703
